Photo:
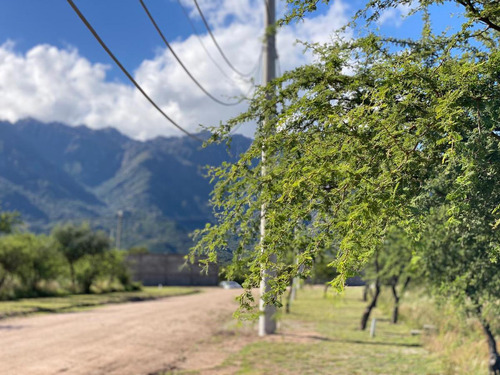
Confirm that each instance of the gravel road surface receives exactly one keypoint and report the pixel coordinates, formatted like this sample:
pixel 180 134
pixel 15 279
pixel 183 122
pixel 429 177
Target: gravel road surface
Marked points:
pixel 134 338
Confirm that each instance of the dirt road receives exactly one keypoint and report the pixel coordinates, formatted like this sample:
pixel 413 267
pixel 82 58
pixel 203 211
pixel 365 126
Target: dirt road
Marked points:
pixel 135 338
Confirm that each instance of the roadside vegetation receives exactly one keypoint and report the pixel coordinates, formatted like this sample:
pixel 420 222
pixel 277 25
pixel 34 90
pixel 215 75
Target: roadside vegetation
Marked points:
pixel 71 260
pixel 452 336
pixel 76 302
pixel 322 336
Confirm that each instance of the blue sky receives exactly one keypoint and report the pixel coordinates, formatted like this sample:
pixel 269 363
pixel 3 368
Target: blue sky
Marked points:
pixel 51 68
pixel 122 23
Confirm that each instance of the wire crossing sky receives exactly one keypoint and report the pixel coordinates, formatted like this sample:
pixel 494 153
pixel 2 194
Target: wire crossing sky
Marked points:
pixel 52 68
pixel 181 63
pixel 129 76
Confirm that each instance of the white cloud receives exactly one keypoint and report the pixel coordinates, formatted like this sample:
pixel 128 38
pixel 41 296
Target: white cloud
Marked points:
pixel 53 84
pixel 395 16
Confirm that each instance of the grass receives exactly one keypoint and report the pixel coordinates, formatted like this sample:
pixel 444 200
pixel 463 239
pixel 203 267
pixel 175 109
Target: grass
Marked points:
pixel 321 336
pixel 459 341
pixel 75 302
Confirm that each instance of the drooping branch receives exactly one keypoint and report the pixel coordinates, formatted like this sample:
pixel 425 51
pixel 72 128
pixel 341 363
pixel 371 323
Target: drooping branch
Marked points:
pixel 469 5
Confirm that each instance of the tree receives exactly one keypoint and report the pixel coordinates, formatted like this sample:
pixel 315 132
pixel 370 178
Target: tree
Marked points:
pixel 460 264
pixel 27 260
pixel 391 266
pixel 75 243
pixel 485 12
pixel 115 268
pixel 43 261
pixel 8 220
pixel 354 149
pixel 398 269
pixel 13 256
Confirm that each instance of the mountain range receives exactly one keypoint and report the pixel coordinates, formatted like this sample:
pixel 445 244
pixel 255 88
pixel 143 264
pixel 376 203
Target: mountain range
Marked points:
pixel 53 173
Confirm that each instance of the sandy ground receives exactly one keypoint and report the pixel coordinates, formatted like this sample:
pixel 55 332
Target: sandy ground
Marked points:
pixel 177 333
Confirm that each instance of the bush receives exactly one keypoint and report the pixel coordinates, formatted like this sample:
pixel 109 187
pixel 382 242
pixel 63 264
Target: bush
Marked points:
pixel 26 262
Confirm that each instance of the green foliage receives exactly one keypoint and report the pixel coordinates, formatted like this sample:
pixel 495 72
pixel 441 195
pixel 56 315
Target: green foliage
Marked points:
pixel 79 242
pixel 13 255
pixel 44 262
pixel 482 12
pixel 27 260
pixel 461 263
pixel 75 302
pixel 8 220
pixel 29 263
pixel 322 270
pixel 369 137
pixel 115 268
pixel 87 270
pixel 394 259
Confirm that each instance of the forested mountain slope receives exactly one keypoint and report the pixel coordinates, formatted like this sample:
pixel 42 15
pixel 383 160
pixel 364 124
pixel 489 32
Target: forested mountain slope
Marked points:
pixel 54 173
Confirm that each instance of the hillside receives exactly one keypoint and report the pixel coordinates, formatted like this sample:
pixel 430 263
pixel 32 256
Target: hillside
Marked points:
pixel 53 173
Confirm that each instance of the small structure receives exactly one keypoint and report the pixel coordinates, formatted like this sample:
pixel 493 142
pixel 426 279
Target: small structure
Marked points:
pixel 169 269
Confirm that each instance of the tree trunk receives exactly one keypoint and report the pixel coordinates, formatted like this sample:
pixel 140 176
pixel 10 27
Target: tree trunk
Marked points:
pixel 369 308
pixel 397 298
pixel 366 289
pixel 86 286
pixel 2 280
pixel 494 360
pixel 327 285
pixel 72 271
pixel 295 287
pixel 395 311
pixel 289 296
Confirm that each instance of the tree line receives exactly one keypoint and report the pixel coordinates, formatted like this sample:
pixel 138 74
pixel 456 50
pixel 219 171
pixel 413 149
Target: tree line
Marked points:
pixel 72 259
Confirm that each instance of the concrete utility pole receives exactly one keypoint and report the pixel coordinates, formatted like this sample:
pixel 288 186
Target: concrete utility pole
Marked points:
pixel 119 215
pixel 267 319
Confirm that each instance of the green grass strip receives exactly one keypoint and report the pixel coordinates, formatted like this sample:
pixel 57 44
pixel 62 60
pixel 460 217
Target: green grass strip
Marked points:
pixel 75 302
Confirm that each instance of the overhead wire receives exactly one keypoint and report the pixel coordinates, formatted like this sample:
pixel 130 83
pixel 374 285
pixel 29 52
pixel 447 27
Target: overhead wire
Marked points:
pixel 195 30
pixel 196 33
pixel 217 44
pixel 169 46
pixel 124 70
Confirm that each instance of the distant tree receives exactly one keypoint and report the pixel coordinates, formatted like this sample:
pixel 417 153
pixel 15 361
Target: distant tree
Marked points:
pixel 460 261
pixel 30 259
pixel 77 242
pixel 115 268
pixel 88 269
pixel 397 267
pixel 13 256
pixel 373 272
pixel 44 262
pixel 8 220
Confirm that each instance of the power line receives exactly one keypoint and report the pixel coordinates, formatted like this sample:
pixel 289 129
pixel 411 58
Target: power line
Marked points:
pixel 129 76
pixel 193 27
pixel 180 61
pixel 195 31
pixel 217 44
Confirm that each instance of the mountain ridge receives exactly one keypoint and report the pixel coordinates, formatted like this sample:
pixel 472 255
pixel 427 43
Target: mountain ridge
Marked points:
pixel 53 173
